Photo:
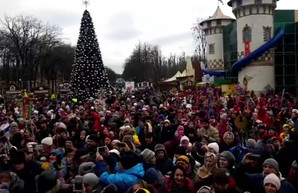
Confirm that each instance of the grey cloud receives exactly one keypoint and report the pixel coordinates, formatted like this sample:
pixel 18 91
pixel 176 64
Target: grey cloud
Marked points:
pixel 121 27
pixel 172 39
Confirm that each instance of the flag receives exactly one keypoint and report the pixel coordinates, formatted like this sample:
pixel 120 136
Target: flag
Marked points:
pixel 221 1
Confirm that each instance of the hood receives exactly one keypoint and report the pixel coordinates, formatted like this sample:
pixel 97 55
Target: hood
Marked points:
pixel 137 170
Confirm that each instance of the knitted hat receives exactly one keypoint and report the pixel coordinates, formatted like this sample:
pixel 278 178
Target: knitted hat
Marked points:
pixel 147 154
pixel 183 161
pixel 127 138
pixel 93 137
pixel 159 147
pixel 272 162
pixel 14 124
pixel 115 151
pixel 228 133
pixel 251 143
pixel 129 159
pixel 86 167
pixel 45 181
pixel 111 188
pixel 272 179
pixel 184 138
pixel 204 189
pixel 222 176
pixel 47 141
pixel 214 146
pixel 152 175
pixel 229 157
pixel 91 179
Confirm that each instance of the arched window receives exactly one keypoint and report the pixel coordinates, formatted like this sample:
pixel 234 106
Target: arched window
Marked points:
pixel 211 49
pixel 246 34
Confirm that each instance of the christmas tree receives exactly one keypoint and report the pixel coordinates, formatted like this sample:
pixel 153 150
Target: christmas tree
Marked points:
pixel 88 75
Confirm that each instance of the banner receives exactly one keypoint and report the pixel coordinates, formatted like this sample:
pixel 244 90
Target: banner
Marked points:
pixel 246 48
pixel 129 86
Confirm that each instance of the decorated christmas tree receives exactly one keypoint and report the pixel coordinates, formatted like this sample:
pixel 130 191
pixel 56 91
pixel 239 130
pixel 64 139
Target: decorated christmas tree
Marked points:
pixel 88 75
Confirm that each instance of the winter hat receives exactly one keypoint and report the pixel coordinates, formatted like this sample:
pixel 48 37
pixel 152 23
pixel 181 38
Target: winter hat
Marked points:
pixel 111 188
pixel 272 162
pixel 229 157
pixel 115 141
pixel 115 151
pixel 86 167
pixel 183 161
pixel 161 117
pixel 204 189
pixel 14 124
pixel 142 190
pixel 159 147
pixel 129 159
pixel 147 154
pixel 228 133
pixel 151 176
pixel 47 141
pixel 184 138
pixel 272 179
pixel 91 179
pixel 180 128
pixel 93 137
pixel 222 176
pixel 127 138
pixel 214 146
pixel 251 143
pixel 45 181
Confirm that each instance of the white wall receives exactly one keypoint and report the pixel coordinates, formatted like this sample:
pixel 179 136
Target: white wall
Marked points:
pixel 261 77
pixel 256 22
pixel 217 40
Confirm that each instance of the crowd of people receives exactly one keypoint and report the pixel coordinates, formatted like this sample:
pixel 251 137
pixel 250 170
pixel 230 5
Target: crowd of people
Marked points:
pixel 150 141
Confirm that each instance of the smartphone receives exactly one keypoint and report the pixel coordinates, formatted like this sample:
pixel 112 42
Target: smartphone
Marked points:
pixel 78 185
pixel 101 149
pixel 39 147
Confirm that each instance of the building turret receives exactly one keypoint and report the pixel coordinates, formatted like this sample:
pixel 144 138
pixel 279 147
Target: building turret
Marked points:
pixel 213 29
pixel 255 28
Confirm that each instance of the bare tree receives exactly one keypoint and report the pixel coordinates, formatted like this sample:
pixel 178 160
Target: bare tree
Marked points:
pixel 200 38
pixel 28 41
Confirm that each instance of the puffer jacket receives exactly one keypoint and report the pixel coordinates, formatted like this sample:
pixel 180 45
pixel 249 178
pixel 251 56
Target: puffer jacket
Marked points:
pixel 123 179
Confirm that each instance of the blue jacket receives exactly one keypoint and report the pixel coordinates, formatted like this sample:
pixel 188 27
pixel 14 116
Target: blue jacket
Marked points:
pixel 123 179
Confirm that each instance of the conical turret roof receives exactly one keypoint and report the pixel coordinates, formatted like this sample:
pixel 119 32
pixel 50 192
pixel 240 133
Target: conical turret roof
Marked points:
pixel 218 15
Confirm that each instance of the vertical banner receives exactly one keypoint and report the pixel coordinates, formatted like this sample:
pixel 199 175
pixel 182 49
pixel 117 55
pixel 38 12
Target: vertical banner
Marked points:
pixel 129 86
pixel 246 48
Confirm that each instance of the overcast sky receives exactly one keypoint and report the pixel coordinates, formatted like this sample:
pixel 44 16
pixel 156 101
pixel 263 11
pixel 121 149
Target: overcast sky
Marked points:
pixel 121 24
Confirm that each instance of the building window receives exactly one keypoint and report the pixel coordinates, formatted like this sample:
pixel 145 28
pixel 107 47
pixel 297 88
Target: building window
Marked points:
pixel 209 24
pixel 267 33
pixel 218 22
pixel 246 34
pixel 258 1
pixel 239 2
pixel 211 49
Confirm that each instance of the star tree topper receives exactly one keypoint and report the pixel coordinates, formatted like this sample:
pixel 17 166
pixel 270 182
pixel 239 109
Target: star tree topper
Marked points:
pixel 86 3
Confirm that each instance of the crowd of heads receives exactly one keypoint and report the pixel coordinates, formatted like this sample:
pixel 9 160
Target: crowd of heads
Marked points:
pixel 150 141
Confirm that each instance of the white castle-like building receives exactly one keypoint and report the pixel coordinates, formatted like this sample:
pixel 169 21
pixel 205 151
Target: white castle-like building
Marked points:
pixel 255 30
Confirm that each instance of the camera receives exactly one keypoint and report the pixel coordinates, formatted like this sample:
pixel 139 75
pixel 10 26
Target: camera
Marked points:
pixel 101 149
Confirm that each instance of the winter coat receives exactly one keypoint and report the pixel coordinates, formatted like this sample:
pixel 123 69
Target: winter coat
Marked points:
pixel 165 165
pixel 123 179
pixel 171 186
pixel 256 185
pixel 211 132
